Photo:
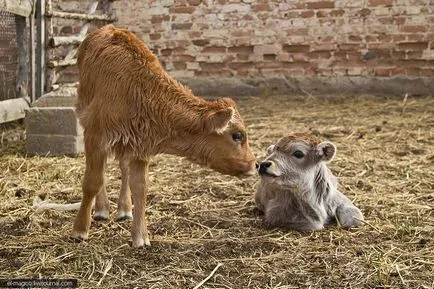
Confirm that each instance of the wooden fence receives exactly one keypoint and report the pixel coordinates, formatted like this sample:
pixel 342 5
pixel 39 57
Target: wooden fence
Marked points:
pixel 37 68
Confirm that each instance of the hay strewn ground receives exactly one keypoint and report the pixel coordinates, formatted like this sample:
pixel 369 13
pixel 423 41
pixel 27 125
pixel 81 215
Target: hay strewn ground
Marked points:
pixel 199 218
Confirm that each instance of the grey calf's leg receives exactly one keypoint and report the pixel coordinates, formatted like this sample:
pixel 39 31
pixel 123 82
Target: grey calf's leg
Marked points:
pixel 349 216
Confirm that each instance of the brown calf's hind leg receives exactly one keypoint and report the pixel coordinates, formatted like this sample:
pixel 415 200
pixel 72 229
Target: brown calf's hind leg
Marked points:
pixel 124 201
pixel 102 205
pixel 139 188
pixel 93 182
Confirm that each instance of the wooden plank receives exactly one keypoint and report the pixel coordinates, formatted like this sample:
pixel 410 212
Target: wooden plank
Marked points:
pixel 68 15
pixel 22 8
pixel 13 109
pixel 40 57
pixel 62 63
pixel 83 31
pixel 56 41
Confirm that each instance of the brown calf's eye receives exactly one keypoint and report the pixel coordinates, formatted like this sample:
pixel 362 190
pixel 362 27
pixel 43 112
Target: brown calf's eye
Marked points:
pixel 298 154
pixel 237 136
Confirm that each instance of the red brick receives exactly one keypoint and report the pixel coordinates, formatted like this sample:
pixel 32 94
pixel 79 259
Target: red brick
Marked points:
pixel 414 55
pixel 400 20
pixel 337 13
pixel 166 52
pixel 194 2
pixel 387 3
pixel 184 58
pixel 295 48
pixel 212 66
pixel 154 36
pixel 179 65
pixel 349 46
pixel 427 72
pixel 269 57
pixel 382 71
pixel 261 7
pixel 307 14
pixel 355 38
pixel 181 26
pixel 247 49
pixel 364 12
pixel 200 42
pixel 242 57
pixel 419 37
pixel 321 5
pixel 413 46
pixel 321 14
pixel 214 49
pixel 320 55
pixel 241 33
pixel 241 65
pixel 182 10
pixel 159 18
pixel 413 28
pixel 398 71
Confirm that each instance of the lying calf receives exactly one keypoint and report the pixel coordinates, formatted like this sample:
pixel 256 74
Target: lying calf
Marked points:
pixel 298 191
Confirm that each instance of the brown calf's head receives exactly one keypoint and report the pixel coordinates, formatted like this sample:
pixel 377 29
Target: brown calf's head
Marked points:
pixel 223 145
pixel 293 156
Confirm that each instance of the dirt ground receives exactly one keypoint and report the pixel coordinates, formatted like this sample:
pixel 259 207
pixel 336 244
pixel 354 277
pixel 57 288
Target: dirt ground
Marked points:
pixel 199 219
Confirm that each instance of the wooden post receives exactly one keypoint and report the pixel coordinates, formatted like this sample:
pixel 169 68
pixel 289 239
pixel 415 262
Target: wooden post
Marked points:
pixel 40 57
pixel 32 55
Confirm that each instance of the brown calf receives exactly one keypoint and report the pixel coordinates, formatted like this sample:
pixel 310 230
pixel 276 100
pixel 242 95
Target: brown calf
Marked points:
pixel 128 105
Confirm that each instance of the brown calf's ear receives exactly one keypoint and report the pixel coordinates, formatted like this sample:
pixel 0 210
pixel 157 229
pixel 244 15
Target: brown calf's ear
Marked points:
pixel 219 121
pixel 326 151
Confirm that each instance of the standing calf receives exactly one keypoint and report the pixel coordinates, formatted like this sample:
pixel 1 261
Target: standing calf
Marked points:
pixel 128 105
pixel 298 191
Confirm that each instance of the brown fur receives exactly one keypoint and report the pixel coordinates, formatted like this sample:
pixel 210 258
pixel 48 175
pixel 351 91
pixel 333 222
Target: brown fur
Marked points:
pixel 128 105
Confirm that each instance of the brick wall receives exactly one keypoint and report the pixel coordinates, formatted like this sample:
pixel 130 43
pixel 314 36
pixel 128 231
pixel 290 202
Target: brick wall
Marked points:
pixel 251 39
pixel 278 38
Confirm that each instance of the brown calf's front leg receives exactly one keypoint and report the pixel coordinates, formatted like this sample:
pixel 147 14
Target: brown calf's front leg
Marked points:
pixel 124 201
pixel 139 187
pixel 93 182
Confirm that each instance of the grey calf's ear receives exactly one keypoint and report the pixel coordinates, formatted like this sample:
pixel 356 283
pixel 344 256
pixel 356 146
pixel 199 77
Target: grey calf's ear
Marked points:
pixel 219 121
pixel 326 151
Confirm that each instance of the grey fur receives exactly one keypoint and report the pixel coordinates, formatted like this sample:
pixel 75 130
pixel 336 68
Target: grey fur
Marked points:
pixel 301 194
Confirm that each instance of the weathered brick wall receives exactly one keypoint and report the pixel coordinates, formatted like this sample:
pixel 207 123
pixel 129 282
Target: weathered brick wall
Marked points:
pixel 257 39
pixel 278 38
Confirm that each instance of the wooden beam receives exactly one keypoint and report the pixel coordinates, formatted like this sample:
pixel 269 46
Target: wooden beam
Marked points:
pixel 22 8
pixel 40 58
pixel 13 109
pixel 56 41
pixel 81 16
pixel 62 63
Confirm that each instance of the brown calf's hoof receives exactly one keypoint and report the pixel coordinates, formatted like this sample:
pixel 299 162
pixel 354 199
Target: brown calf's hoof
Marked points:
pixel 123 216
pixel 101 216
pixel 75 239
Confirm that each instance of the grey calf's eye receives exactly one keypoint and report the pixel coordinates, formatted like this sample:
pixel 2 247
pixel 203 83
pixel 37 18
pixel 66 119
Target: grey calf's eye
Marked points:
pixel 298 154
pixel 237 136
